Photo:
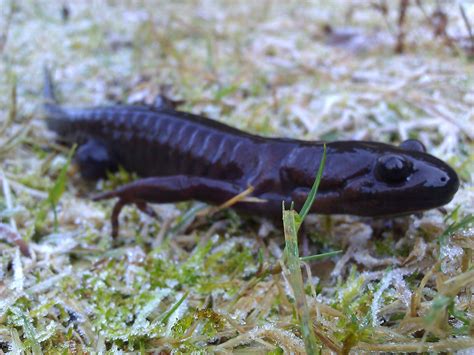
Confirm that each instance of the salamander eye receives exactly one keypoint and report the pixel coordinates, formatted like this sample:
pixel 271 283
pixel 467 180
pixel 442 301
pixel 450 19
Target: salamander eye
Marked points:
pixel 393 168
pixel 414 145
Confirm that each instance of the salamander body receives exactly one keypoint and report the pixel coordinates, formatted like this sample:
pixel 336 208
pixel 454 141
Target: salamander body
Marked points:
pixel 181 156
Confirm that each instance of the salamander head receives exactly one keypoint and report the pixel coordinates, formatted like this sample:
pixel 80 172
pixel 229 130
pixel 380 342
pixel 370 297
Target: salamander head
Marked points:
pixel 402 182
pixel 374 179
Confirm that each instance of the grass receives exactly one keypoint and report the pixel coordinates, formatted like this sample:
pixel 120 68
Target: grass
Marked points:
pixel 196 281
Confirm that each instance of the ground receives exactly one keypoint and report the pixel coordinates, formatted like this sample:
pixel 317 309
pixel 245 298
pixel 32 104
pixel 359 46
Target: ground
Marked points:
pixel 194 281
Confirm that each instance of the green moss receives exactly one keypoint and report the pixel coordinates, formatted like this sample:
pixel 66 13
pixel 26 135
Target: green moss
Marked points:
pixel 384 246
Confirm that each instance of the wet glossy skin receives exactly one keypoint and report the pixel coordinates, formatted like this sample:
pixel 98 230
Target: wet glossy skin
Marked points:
pixel 186 157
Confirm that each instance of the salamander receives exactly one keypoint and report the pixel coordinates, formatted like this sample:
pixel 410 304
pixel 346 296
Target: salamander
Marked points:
pixel 181 156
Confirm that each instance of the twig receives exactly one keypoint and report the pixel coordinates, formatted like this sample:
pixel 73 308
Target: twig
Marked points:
pixel 399 48
pixel 17 186
pixel 13 107
pixel 452 344
pixel 6 30
pixel 12 236
pixel 468 24
pixel 244 196
pixel 8 199
pixel 382 7
pixel 439 30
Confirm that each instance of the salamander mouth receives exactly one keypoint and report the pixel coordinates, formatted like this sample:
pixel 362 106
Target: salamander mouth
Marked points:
pixel 430 186
pixel 372 203
pixel 377 207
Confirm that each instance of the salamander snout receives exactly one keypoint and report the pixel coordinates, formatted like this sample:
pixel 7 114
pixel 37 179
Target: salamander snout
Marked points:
pixel 426 176
pixel 445 183
pixel 416 181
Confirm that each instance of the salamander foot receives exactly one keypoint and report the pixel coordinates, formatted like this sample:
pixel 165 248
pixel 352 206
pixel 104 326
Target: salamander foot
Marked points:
pixel 119 205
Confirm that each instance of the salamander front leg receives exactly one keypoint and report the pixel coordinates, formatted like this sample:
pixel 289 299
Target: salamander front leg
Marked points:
pixel 94 160
pixel 167 189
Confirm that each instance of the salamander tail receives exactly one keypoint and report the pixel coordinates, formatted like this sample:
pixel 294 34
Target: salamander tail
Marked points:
pixel 48 87
pixel 53 113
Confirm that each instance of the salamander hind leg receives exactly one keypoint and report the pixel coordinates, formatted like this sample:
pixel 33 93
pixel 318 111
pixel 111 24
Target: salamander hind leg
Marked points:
pixel 164 103
pixel 167 189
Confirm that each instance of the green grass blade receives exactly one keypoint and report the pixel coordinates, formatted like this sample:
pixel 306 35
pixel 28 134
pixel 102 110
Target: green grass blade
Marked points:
pixel 320 256
pixel 295 277
pixel 174 307
pixel 314 189
pixel 291 224
pixel 59 186
pixel 13 107
pixel 462 224
pixel 55 193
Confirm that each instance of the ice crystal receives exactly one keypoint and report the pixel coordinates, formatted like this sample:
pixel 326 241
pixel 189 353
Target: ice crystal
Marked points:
pixel 393 278
pixel 18 275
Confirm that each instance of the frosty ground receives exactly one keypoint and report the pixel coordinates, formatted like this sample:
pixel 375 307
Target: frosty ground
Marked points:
pixel 210 282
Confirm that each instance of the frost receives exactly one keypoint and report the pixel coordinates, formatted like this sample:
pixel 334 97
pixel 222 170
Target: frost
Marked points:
pixel 171 283
pixel 283 338
pixel 215 238
pixel 57 243
pixel 176 315
pixel 227 246
pixel 467 232
pixel 49 282
pixel 7 302
pixel 46 333
pixel 18 276
pixel 275 250
pixel 16 346
pixel 395 278
pixel 141 323
pixel 115 350
pixel 81 212
pixel 240 315
pixel 58 163
pixel 450 255
pixel 265 228
pixel 451 252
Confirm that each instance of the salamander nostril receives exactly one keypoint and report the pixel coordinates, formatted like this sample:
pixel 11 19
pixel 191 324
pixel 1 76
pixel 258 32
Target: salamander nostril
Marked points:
pixel 443 179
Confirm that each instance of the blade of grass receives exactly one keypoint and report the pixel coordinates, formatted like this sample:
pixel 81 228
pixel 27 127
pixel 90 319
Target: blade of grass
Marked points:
pixel 295 278
pixel 29 331
pixel 11 142
pixel 173 309
pixel 59 186
pixel 184 220
pixel 320 256
pixel 314 189
pixel 292 221
pixel 13 106
pixel 8 199
pixel 454 227
pixel 55 193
